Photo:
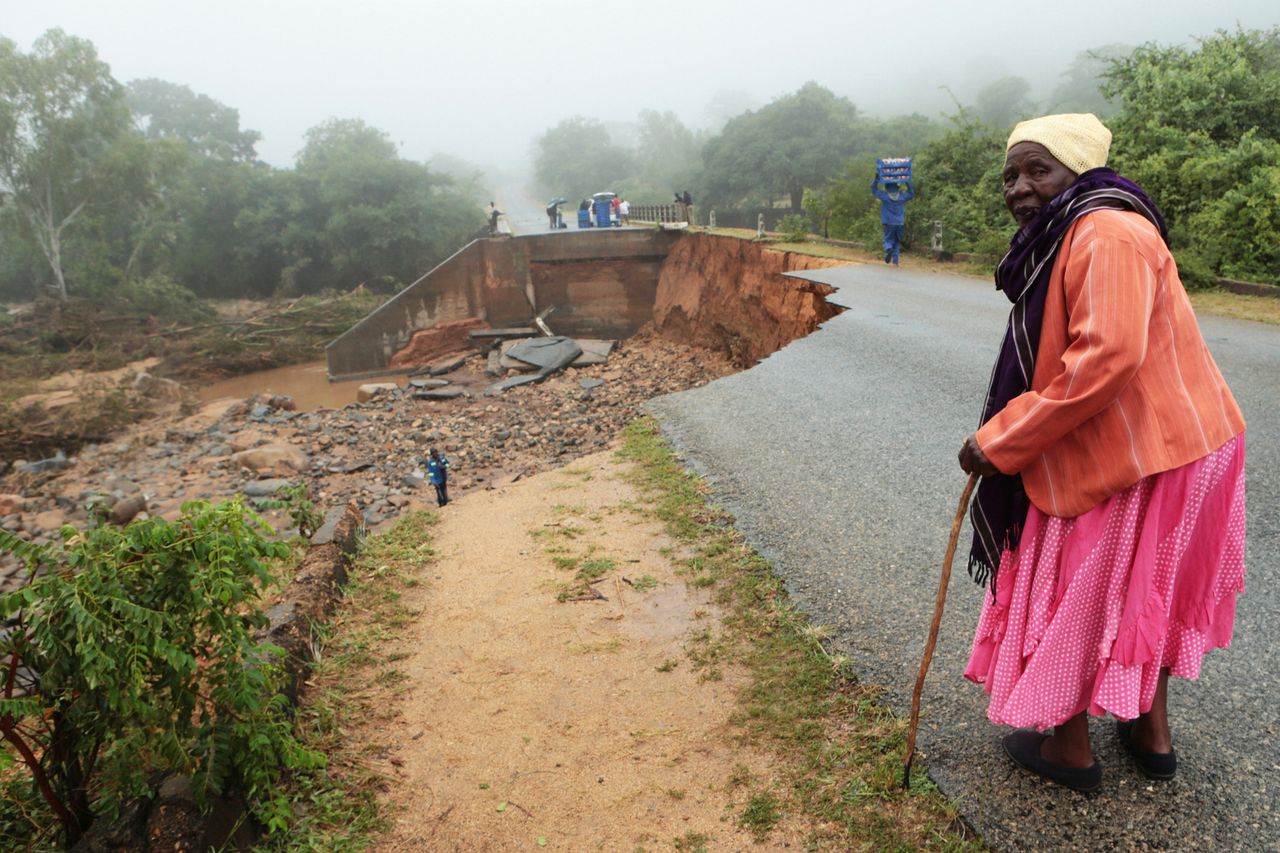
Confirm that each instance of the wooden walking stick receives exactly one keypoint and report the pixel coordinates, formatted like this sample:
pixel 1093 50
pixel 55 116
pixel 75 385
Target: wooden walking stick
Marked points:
pixel 933 628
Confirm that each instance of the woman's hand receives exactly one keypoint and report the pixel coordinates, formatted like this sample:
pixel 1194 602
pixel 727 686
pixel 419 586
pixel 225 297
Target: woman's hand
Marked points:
pixel 973 460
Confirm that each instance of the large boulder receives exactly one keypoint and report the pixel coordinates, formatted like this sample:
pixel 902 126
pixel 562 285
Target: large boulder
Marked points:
pixel 272 457
pixel 158 388
pixel 124 510
pixel 368 391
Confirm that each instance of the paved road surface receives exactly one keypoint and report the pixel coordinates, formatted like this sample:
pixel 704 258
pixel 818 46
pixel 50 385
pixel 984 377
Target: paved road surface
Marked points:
pixel 837 455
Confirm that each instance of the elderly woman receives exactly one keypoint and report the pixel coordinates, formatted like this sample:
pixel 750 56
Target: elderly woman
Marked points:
pixel 1110 516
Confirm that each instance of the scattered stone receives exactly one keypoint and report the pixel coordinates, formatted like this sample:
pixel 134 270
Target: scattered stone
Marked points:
pixel 126 509
pixel 440 394
pixel 157 388
pixel 511 382
pixel 447 365
pixel 10 504
pixel 367 392
pixel 350 467
pixel 265 488
pixel 493 363
pixel 50 520
pixel 57 462
pixel 283 402
pixel 370 454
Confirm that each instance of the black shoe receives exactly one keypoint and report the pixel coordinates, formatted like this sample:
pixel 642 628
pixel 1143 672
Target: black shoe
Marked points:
pixel 1023 747
pixel 888 256
pixel 1154 765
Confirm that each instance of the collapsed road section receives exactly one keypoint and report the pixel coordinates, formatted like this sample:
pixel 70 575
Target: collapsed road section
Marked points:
pixel 718 293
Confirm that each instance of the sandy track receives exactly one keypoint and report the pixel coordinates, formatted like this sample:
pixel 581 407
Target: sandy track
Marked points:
pixel 529 719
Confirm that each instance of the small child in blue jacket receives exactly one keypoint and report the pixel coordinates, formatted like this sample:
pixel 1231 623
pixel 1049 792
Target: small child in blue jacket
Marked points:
pixel 438 474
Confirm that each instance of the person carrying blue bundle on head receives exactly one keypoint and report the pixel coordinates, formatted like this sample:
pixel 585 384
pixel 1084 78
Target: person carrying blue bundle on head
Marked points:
pixel 438 474
pixel 893 200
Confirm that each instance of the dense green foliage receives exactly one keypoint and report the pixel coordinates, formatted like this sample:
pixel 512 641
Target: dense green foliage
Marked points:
pixel 1200 130
pixel 797 141
pixel 63 123
pixel 102 184
pixel 133 651
pixel 1196 126
pixel 579 157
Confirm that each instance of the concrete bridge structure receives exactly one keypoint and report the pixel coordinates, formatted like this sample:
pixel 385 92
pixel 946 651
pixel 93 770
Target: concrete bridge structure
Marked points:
pixel 598 283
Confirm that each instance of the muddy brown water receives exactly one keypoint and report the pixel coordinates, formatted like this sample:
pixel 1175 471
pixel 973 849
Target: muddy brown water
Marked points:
pixel 308 384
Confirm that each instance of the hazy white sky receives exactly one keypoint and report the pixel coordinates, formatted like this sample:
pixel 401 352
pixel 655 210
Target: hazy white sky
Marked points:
pixel 481 80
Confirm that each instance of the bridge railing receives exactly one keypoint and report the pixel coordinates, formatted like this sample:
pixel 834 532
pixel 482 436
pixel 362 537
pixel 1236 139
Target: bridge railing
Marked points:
pixel 662 213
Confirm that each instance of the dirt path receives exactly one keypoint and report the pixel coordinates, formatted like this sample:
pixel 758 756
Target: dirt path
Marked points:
pixel 580 725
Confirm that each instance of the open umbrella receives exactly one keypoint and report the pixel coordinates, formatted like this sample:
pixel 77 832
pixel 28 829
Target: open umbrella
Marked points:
pixel 558 200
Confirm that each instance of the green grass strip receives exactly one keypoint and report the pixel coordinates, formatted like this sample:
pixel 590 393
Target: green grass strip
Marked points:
pixel 840 749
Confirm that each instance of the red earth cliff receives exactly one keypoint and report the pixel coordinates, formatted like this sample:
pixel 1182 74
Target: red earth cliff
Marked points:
pixel 441 339
pixel 730 295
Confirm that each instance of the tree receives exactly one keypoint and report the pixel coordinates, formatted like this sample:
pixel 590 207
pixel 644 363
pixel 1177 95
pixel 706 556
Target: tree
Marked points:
pixel 1002 102
pixel 170 111
pixel 355 211
pixel 62 115
pixel 1080 89
pixel 1199 131
pixel 797 141
pixel 577 157
pixel 667 156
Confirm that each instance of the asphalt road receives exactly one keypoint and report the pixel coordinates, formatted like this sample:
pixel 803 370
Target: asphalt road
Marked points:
pixel 837 455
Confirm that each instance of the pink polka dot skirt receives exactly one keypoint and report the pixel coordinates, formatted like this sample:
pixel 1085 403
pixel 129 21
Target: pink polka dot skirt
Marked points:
pixel 1089 609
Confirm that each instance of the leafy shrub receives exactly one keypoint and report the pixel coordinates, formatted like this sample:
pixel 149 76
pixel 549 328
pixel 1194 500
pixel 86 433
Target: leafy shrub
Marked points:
pixel 794 228
pixel 133 651
pixel 162 298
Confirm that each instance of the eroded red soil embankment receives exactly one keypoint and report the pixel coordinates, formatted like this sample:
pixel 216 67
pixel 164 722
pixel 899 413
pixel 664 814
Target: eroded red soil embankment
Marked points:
pixel 729 295
pixel 720 293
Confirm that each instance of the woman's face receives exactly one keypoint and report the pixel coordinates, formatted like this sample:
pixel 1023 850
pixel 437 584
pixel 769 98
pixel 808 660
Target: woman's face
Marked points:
pixel 1032 178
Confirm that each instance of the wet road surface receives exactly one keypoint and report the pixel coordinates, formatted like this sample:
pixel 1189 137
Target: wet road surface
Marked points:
pixel 837 455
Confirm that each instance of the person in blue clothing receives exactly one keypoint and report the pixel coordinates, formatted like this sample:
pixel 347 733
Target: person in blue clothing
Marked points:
pixel 892 215
pixel 438 474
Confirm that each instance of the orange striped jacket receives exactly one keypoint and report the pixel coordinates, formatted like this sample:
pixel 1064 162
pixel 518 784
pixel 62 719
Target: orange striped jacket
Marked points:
pixel 1124 385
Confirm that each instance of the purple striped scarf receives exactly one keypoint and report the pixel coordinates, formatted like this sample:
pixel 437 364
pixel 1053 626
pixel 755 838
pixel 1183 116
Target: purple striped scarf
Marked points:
pixel 1023 274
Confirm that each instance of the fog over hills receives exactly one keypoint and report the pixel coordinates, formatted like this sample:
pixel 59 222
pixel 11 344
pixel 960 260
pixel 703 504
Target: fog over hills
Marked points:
pixel 480 80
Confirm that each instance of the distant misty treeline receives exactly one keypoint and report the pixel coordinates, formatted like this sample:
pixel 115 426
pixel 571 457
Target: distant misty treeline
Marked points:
pixel 104 185
pixel 1197 126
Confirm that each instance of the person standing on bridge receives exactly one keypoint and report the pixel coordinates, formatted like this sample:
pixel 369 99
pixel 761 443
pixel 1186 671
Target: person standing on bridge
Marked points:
pixel 893 215
pixel 494 213
pixel 1110 519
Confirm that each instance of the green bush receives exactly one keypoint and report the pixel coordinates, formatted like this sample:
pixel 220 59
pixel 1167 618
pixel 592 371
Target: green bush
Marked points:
pixel 142 644
pixel 162 298
pixel 794 228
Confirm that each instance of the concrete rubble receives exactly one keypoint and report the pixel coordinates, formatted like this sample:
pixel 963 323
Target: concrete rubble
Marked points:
pixel 370 453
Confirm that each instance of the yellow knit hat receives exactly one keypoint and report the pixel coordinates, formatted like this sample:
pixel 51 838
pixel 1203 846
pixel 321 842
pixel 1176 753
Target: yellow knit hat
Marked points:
pixel 1078 140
